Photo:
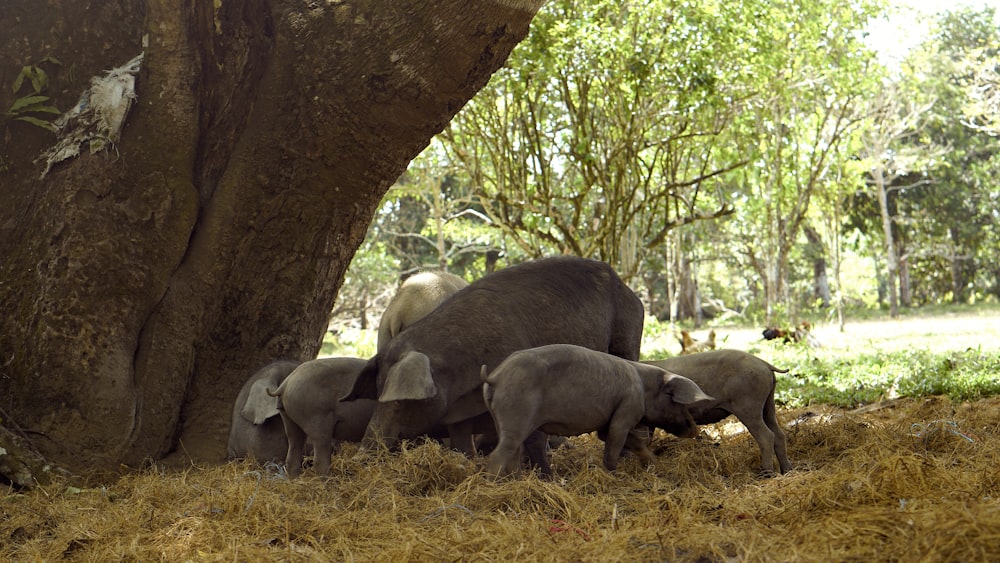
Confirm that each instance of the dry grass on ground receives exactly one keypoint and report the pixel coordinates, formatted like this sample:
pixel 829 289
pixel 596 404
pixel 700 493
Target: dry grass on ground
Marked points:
pixel 915 481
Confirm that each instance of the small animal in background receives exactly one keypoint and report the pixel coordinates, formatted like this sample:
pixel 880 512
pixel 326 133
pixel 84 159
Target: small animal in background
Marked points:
pixel 691 346
pixel 774 333
pixel 569 390
pixel 802 333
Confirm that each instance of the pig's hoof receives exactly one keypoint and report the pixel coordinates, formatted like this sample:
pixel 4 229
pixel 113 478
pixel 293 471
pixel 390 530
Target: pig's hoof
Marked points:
pixel 767 474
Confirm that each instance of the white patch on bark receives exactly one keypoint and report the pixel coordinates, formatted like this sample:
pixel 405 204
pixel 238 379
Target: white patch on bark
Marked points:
pixel 98 116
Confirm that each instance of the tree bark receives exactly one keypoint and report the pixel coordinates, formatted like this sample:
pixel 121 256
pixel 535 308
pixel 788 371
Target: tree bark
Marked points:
pixel 688 297
pixel 891 261
pixel 962 268
pixel 142 285
pixel 905 289
pixel 815 253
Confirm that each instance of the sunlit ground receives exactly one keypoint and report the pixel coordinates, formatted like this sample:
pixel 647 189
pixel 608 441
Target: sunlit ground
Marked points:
pixel 940 333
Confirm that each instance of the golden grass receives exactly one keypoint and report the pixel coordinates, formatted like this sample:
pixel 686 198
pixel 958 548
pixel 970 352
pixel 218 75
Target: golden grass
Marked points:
pixel 917 481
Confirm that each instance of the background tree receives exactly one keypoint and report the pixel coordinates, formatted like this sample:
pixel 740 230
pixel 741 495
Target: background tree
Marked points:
pixel 982 109
pixel 607 133
pixel 454 235
pixel 755 107
pixel 142 284
pixel 896 114
pixel 795 132
pixel 943 211
pixel 965 191
pixel 599 138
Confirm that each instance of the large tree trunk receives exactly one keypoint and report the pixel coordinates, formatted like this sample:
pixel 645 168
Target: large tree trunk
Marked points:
pixel 142 285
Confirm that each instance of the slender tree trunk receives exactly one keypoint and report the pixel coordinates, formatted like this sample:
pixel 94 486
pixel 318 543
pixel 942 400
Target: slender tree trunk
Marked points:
pixel 837 258
pixel 962 269
pixel 670 253
pixel 440 209
pixel 891 262
pixel 905 291
pixel 782 289
pixel 688 299
pixel 821 285
pixel 142 285
pixel 880 285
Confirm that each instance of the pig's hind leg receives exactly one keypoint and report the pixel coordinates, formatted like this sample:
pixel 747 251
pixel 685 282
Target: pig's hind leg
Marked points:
pixel 780 444
pixel 619 427
pixel 765 440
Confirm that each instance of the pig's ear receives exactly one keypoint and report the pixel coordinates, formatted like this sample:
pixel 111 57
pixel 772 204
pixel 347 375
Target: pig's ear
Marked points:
pixel 683 390
pixel 260 406
pixel 409 379
pixel 365 383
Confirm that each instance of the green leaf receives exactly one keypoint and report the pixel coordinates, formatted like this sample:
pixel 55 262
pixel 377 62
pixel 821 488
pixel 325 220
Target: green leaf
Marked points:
pixel 39 122
pixel 21 103
pixel 41 109
pixel 43 79
pixel 20 79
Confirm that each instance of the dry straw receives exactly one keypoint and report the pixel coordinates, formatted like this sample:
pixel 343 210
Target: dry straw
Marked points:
pixel 914 481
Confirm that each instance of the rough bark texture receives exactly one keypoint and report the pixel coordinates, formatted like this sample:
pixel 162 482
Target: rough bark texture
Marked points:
pixel 141 286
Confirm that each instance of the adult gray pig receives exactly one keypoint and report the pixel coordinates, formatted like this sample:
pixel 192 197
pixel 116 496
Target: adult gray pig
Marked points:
pixel 309 407
pixel 256 430
pixel 569 390
pixel 743 385
pixel 420 294
pixel 429 373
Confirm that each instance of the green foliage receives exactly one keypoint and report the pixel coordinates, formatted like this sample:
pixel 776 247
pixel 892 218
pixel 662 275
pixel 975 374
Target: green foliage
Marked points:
pixel 370 280
pixel 658 339
pixel 961 375
pixel 602 135
pixel 944 209
pixel 854 380
pixel 33 102
pixel 690 145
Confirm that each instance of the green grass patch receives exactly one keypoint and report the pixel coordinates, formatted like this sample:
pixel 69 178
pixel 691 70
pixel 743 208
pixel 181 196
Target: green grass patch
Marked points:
pixel 855 380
